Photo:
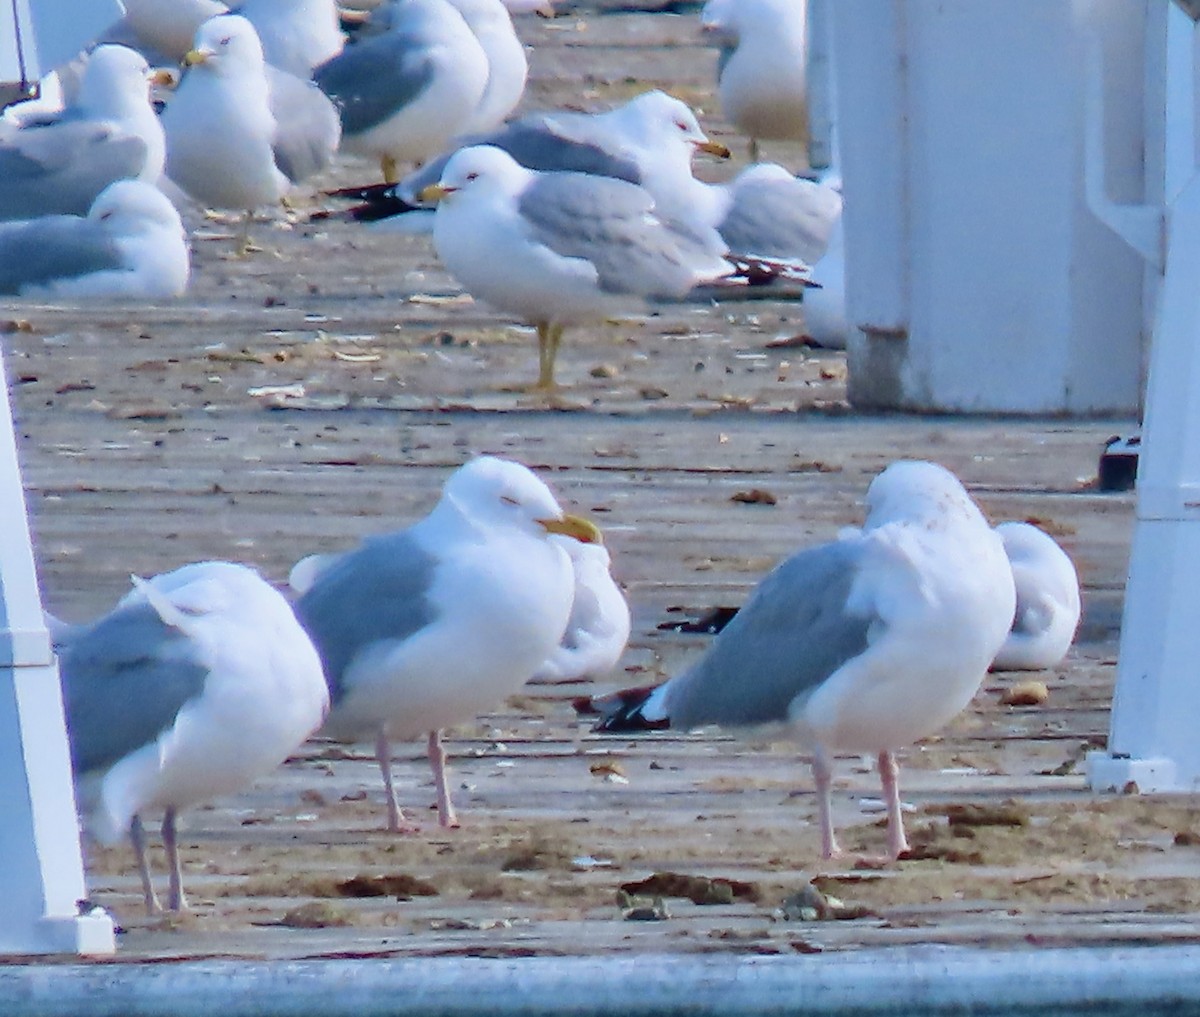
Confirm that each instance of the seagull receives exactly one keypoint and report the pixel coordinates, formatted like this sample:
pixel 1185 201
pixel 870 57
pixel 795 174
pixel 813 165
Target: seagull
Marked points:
pixel 423 628
pixel 559 248
pixel 219 125
pixel 59 163
pixel 630 142
pixel 165 28
pixel 130 244
pixel 761 72
pixel 598 628
pixel 405 92
pixel 824 310
pixel 491 24
pixel 864 644
pixel 1048 602
pixel 197 683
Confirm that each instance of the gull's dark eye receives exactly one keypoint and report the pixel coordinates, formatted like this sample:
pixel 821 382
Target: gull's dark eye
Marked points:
pixel 506 499
pixel 475 176
pixel 227 40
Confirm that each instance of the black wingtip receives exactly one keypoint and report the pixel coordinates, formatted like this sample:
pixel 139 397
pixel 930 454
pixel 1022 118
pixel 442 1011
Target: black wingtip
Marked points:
pixel 622 712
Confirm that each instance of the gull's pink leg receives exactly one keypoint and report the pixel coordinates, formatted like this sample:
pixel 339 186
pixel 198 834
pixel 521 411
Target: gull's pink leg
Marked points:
pixel 137 836
pixel 176 901
pixel 437 762
pixel 889 771
pixel 823 775
pixel 383 755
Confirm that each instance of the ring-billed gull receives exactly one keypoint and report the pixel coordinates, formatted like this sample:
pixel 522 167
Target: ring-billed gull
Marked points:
pixel 219 125
pixel 559 248
pixel 423 628
pixel 199 682
pixel 130 244
pixel 1048 602
pixel 865 644
pixel 631 142
pixel 598 628
pixel 761 73
pixel 404 93
pixel 60 163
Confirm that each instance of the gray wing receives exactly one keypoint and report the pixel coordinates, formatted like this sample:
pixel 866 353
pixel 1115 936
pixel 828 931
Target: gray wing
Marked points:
pixel 724 54
pixel 371 80
pixel 536 143
pixel 41 251
pixel 60 167
pixel 376 592
pixel 308 128
pixel 791 635
pixel 125 679
pixel 611 224
pixel 777 219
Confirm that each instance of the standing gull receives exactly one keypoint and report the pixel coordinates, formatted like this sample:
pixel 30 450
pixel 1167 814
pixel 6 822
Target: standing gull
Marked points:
pixel 58 164
pixel 130 244
pixel 296 35
pixel 404 93
pixel 220 129
pixel 1047 599
pixel 631 142
pixel 865 644
pixel 598 628
pixel 761 73
pixel 559 248
pixel 196 684
pixel 423 628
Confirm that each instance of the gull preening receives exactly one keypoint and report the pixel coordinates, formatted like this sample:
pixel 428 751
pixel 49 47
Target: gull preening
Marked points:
pixel 196 684
pixel 864 644
pixel 425 627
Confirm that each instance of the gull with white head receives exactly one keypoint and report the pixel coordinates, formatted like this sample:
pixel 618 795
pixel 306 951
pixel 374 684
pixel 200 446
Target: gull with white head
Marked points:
pixel 864 644
pixel 130 244
pixel 423 628
pixel 196 684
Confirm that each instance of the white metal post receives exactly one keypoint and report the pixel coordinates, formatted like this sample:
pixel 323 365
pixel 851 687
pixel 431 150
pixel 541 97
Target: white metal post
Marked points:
pixel 1152 739
pixel 41 868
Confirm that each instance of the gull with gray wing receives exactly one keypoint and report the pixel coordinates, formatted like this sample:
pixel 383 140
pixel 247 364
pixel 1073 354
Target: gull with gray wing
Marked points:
pixel 196 684
pixel 423 628
pixel 864 644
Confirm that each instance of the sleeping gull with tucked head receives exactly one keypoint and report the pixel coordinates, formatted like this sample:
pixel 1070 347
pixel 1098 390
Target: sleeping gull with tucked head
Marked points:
pixel 130 244
pixel 199 682
pixel 1048 602
pixel 560 248
pixel 864 644
pixel 423 628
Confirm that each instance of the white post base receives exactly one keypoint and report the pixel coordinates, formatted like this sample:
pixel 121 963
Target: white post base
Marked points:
pixel 1106 772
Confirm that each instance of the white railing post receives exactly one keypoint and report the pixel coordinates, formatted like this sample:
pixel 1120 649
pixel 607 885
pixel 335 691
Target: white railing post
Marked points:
pixel 41 868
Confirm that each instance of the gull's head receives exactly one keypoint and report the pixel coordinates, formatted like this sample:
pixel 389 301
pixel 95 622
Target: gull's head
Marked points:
pixel 113 77
pixel 719 21
pixel 225 45
pixel 478 169
pixel 500 493
pixel 656 119
pixel 921 493
pixel 130 206
pixel 1024 543
pixel 726 21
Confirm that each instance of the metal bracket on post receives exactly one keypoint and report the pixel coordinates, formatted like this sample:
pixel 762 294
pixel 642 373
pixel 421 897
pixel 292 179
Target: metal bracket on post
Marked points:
pixel 41 881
